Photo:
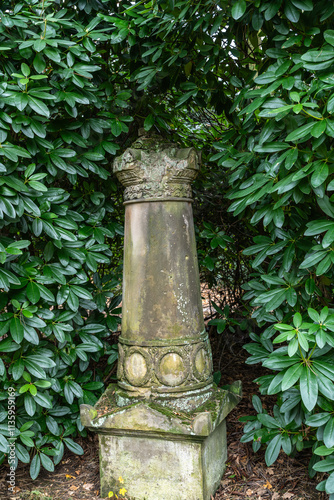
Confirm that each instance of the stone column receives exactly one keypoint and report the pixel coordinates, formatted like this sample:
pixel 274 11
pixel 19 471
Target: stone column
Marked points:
pixel 164 351
pixel 162 427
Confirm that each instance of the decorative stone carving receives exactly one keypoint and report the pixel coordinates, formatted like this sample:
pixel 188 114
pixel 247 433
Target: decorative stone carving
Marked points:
pixel 201 363
pixel 154 168
pixel 171 369
pixel 187 366
pixel 137 366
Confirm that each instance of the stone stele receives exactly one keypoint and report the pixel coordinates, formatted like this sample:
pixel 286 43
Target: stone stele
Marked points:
pixel 162 429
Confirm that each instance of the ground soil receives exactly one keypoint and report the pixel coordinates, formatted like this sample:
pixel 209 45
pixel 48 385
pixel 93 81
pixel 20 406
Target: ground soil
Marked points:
pixel 246 477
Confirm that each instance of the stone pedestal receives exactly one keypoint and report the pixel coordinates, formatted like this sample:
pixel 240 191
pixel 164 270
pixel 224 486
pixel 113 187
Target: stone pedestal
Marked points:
pixel 162 428
pixel 161 453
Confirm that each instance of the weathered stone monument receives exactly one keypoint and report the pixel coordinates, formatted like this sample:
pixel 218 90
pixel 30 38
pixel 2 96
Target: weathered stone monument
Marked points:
pixel 162 427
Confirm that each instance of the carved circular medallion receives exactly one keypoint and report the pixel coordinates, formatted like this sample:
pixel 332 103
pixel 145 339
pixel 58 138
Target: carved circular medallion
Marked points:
pixel 201 363
pixel 137 367
pixel 171 369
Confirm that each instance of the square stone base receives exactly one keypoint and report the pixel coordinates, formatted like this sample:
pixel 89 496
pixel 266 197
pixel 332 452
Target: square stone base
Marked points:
pixel 157 453
pixel 158 468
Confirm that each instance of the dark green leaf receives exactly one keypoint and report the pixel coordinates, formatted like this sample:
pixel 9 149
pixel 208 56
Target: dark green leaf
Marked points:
pixel 38 106
pixel 329 36
pixel 238 9
pixel 46 462
pixel 291 376
pixel 308 388
pixel 328 436
pixel 35 467
pixel 74 447
pixel 16 330
pixel 33 292
pixel 273 450
pixel 300 132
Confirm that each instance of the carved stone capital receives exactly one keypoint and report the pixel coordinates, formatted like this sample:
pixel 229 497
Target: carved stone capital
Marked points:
pixel 154 168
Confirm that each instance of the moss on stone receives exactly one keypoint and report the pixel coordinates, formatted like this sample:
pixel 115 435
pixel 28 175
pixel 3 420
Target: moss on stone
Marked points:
pixel 170 413
pixel 179 421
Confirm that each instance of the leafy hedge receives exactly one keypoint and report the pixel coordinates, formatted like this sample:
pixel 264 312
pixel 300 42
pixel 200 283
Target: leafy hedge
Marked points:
pixel 280 167
pixel 60 112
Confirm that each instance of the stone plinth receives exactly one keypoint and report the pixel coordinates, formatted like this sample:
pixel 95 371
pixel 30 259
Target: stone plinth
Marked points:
pixel 162 427
pixel 161 453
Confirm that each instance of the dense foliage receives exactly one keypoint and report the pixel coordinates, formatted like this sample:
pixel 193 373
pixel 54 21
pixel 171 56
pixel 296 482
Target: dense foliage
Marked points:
pixel 281 179
pixel 58 277
pixel 250 84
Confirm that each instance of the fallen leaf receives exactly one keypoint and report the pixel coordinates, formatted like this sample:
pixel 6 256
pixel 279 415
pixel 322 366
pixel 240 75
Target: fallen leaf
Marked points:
pixel 288 495
pixel 73 488
pixel 88 486
pixel 249 492
pixel 271 471
pixel 68 476
pixel 275 496
pixel 268 485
